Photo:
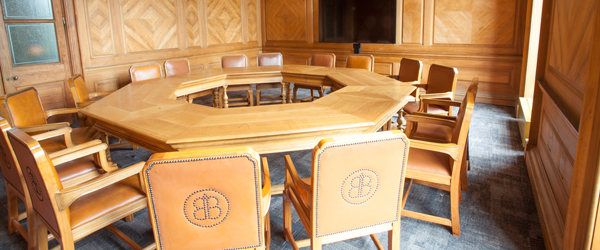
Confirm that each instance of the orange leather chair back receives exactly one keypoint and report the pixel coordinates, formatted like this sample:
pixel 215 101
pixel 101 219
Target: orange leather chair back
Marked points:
pixel 269 59
pixel 441 79
pixel 25 108
pixel 323 59
pixel 40 177
pixel 358 183
pixel 463 118
pixel 8 163
pixel 177 67
pixel 238 61
pixel 145 72
pixel 205 198
pixel 410 70
pixel 360 62
pixel 79 90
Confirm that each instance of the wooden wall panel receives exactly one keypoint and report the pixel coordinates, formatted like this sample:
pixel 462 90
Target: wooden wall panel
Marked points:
pixel 100 28
pixel 285 20
pixel 412 21
pixel 224 22
pixel 253 24
pixel 192 18
pixel 149 25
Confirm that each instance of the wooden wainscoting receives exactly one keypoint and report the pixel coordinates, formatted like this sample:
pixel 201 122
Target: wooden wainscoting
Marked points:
pixel 114 35
pixel 480 38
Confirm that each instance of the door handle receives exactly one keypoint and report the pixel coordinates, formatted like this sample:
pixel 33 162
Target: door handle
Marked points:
pixel 15 77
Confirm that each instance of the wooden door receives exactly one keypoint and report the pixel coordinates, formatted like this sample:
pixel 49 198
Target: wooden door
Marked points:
pixel 33 49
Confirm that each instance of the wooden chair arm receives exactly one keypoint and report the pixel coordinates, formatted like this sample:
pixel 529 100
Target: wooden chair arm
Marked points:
pixel 418 84
pixel 62 111
pixel 289 167
pixel 437 95
pixel 82 150
pixel 266 186
pixel 67 196
pixel 442 102
pixel 451 149
pixel 73 149
pixel 85 104
pixel 430 119
pixel 98 94
pixel 65 132
pixel 45 127
pixel 437 116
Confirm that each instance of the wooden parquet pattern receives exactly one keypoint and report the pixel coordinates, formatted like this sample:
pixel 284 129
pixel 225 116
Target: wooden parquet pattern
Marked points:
pixel 488 22
pixel 412 20
pixel 224 21
pixel 149 25
pixel 100 27
pixel 285 20
pixel 252 21
pixel 192 18
pixel 570 45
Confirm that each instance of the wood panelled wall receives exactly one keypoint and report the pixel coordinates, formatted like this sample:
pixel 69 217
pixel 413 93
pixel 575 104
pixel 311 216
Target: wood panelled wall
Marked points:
pixel 113 35
pixel 481 38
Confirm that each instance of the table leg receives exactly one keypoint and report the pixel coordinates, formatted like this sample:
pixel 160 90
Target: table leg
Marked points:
pixel 225 99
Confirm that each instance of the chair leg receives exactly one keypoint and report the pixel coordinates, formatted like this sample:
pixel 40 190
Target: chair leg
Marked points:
pixel 129 218
pixel 41 233
pixel 12 206
pixel 312 95
pixel 288 91
pixel 463 172
pixel 405 195
pixel 295 93
pixel 454 205
pixel 315 244
pixel 257 97
pixel 251 97
pixel 376 241
pixel 394 237
pixel 267 231
pixel 287 216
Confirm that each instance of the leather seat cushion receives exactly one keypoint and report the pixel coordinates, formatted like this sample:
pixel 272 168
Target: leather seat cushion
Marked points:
pixel 73 169
pixel 432 132
pixel 105 201
pixel 53 144
pixel 411 107
pixel 428 161
pixel 83 134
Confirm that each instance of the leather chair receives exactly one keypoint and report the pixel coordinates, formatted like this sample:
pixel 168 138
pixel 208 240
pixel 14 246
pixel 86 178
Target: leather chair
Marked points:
pixel 81 95
pixel 317 59
pixel 271 59
pixel 355 190
pixel 224 204
pixel 237 61
pixel 25 111
pixel 439 133
pixel 410 72
pixel 441 83
pixel 145 72
pixel 360 62
pixel 69 175
pixel 71 213
pixel 182 67
pixel 439 164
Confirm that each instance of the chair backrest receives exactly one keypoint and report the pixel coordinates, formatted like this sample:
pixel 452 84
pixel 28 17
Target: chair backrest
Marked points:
pixel 323 59
pixel 357 183
pixel 410 70
pixel 218 192
pixel 78 89
pixel 177 67
pixel 8 161
pixel 145 72
pixel 269 59
pixel 25 108
pixel 441 79
pixel 465 112
pixel 41 179
pixel 237 61
pixel 360 62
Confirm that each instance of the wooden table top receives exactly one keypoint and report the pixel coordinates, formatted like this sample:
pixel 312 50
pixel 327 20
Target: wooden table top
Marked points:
pixel 148 113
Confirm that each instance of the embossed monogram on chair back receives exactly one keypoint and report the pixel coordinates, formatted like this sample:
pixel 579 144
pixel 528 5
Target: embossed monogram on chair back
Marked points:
pixel 25 108
pixel 35 165
pixel 358 183
pixel 211 201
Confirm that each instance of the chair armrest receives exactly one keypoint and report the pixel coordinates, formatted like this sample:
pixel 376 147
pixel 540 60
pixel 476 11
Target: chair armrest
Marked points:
pixel 65 132
pixel 66 196
pixel 433 119
pixel 437 116
pixel 62 111
pixel 98 94
pixel 84 104
pixel 437 95
pixel 451 149
pixel 419 84
pixel 82 150
pixel 291 170
pixel 45 127
pixel 266 188
pixel 442 102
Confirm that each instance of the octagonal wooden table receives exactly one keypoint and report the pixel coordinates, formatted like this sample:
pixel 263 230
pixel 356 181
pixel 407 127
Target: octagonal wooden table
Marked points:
pixel 149 113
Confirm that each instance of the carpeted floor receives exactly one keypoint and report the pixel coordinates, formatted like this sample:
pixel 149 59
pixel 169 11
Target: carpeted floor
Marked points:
pixel 498 211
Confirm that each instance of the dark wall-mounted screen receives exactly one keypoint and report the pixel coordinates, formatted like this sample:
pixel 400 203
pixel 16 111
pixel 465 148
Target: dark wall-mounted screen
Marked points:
pixel 357 21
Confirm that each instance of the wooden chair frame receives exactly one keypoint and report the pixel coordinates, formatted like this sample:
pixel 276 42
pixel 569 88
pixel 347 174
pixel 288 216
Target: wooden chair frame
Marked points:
pixel 283 97
pixel 455 149
pixel 295 186
pixel 405 76
pixel 362 55
pixel 224 99
pixel 312 87
pixel 132 69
